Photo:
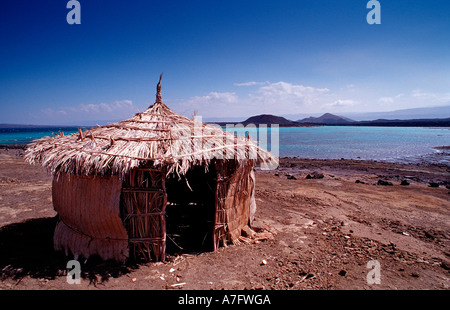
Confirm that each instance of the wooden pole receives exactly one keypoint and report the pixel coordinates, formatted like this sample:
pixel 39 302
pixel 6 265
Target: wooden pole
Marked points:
pixel 216 213
pixel 163 216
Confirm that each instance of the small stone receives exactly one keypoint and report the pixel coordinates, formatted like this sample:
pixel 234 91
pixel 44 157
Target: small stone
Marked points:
pixel 445 265
pixel 315 175
pixel 384 183
pixel 342 273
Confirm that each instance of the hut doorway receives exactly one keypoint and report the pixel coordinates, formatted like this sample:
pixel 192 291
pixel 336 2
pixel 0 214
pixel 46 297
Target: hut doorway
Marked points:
pixel 190 210
pixel 194 212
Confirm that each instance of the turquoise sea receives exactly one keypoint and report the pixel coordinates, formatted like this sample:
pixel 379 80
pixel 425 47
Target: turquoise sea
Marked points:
pixel 402 144
pixel 332 142
pixel 25 135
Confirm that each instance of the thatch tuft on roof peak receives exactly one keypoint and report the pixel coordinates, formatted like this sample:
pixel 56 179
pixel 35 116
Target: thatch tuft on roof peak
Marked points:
pixel 158 90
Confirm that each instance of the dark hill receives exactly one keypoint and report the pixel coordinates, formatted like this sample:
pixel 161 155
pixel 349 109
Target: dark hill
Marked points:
pixel 432 122
pixel 326 119
pixel 269 119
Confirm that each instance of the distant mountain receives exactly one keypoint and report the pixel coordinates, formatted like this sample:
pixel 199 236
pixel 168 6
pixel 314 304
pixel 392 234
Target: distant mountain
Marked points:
pixel 404 114
pixel 327 119
pixel 430 122
pixel 269 119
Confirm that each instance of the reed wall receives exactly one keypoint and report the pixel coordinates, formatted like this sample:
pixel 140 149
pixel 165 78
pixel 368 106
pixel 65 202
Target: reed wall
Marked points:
pixel 90 224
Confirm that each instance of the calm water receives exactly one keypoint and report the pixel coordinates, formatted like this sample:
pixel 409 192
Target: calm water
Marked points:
pixel 26 135
pixel 371 143
pixel 334 142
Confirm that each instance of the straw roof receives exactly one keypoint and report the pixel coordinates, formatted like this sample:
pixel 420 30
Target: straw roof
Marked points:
pixel 158 136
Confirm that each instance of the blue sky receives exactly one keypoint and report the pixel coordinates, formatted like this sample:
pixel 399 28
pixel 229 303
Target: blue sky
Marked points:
pixel 225 59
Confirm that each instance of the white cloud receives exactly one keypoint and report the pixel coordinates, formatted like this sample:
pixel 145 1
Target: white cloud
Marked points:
pixel 104 107
pixel 287 96
pixel 386 100
pixel 251 83
pixel 431 96
pixel 212 99
pixel 287 89
pixel 341 103
pixel 390 99
pixel 284 98
pixel 119 109
pixel 52 112
pixel 271 98
pixel 212 104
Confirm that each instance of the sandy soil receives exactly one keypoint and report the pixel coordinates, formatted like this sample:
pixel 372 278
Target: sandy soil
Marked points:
pixel 324 229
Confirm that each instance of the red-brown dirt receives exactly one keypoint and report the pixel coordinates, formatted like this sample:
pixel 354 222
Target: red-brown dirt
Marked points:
pixel 325 229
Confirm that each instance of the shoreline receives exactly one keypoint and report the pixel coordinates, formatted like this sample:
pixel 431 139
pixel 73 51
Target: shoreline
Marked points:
pixel 421 170
pixel 441 156
pixel 13 146
pixel 364 171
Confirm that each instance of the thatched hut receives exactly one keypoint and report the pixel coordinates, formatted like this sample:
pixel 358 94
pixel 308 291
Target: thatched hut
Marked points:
pixel 131 187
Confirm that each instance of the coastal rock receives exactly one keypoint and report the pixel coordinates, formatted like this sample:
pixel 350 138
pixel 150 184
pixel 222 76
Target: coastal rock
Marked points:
pixel 315 175
pixel 384 183
pixel 290 177
pixel 445 265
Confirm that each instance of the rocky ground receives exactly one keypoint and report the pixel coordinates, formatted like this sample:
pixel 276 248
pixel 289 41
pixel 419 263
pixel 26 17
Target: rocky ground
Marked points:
pixel 320 223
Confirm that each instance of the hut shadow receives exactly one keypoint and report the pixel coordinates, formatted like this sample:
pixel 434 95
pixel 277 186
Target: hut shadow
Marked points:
pixel 27 250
